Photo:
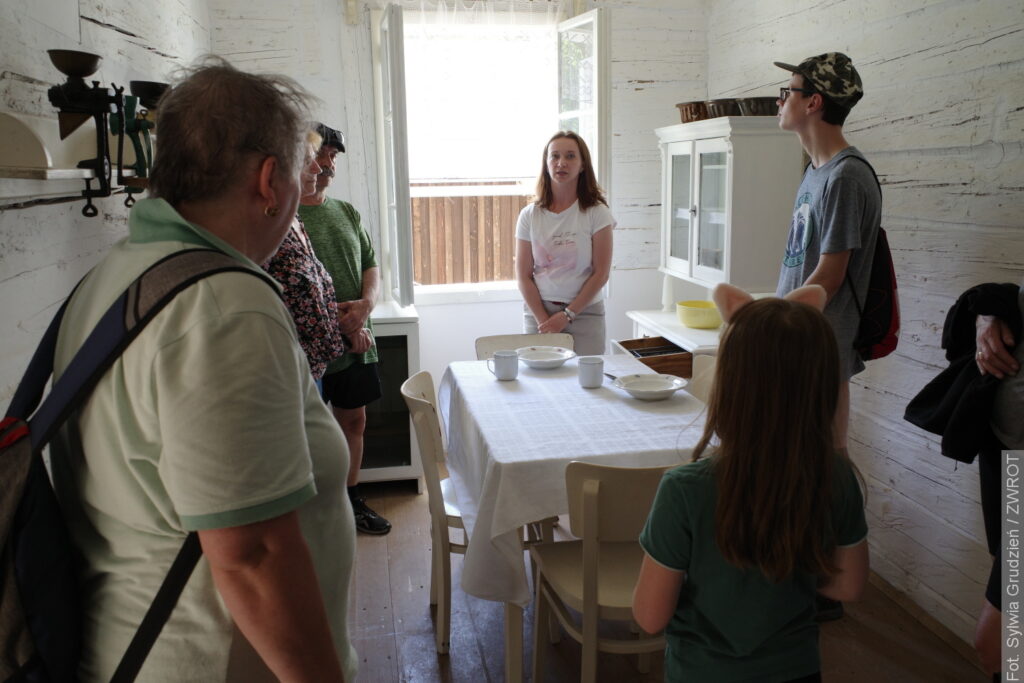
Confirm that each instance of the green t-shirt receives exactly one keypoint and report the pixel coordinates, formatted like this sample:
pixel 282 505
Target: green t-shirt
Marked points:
pixel 209 419
pixel 342 245
pixel 732 624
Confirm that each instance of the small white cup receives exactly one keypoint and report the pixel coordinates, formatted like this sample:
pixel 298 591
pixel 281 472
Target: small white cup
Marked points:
pixel 591 371
pixel 505 364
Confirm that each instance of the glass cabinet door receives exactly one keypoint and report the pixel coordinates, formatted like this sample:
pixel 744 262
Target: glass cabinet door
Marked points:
pixel 712 185
pixel 679 180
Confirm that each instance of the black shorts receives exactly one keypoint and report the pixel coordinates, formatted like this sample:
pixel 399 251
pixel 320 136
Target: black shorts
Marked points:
pixel 353 387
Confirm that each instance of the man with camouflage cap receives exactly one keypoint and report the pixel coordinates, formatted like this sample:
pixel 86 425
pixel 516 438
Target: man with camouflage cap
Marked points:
pixel 836 215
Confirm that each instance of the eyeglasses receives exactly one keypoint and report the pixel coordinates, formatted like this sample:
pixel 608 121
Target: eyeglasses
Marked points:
pixel 785 92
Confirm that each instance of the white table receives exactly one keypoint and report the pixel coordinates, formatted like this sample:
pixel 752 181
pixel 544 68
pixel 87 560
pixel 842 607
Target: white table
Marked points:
pixel 508 446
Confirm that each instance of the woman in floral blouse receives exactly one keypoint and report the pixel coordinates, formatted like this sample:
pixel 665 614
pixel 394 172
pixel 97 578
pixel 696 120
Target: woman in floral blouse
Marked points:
pixel 308 291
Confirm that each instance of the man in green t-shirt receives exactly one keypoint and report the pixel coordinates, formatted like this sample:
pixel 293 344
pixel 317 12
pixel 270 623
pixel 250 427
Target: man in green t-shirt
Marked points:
pixel 351 381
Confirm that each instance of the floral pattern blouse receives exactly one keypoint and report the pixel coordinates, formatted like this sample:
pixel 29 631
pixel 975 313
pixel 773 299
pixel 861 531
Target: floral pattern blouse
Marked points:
pixel 309 296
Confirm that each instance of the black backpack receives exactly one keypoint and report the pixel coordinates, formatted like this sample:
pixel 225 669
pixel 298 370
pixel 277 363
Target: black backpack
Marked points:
pixel 40 614
pixel 878 332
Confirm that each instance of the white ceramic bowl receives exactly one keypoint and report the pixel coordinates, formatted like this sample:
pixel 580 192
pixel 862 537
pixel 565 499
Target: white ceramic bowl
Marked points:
pixel 544 357
pixel 649 387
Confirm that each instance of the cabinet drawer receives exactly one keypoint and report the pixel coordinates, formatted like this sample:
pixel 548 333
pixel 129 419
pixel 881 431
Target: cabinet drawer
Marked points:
pixel 660 355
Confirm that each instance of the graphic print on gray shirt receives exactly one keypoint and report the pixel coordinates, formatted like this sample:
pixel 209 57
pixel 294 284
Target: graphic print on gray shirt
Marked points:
pixel 838 207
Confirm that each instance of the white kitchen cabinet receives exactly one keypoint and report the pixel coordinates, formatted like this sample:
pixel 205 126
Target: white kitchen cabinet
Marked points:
pixel 728 187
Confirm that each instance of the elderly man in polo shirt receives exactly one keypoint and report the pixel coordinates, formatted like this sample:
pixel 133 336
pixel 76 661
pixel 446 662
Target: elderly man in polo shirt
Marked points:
pixel 352 381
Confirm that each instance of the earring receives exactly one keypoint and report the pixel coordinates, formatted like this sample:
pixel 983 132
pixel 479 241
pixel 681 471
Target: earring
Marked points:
pixel 270 211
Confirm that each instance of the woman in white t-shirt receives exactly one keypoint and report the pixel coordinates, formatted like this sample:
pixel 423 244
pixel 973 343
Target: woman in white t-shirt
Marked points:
pixel 564 247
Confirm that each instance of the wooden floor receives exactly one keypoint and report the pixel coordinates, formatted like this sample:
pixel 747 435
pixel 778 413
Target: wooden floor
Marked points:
pixel 392 626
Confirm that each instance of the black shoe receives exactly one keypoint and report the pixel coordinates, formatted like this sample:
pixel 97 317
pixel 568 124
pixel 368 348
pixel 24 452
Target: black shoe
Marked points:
pixel 828 610
pixel 368 521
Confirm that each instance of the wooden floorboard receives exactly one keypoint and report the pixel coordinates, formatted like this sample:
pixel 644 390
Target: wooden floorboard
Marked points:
pixel 392 623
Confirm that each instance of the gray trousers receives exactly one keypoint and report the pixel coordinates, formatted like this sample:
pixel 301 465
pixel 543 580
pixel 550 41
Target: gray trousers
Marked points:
pixel 588 334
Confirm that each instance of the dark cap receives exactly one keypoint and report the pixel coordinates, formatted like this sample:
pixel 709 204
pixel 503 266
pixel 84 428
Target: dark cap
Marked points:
pixel 832 74
pixel 332 137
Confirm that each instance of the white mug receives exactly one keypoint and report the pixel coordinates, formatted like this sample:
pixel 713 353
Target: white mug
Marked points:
pixel 505 364
pixel 591 371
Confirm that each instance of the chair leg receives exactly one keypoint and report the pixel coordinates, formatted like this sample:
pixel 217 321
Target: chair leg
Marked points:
pixel 544 531
pixel 554 628
pixel 588 667
pixel 444 599
pixel 513 643
pixel 643 662
pixel 541 615
pixel 434 550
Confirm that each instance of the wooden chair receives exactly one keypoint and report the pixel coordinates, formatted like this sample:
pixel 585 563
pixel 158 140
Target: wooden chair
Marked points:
pixel 418 392
pixel 486 346
pixel 596 575
pixel 699 385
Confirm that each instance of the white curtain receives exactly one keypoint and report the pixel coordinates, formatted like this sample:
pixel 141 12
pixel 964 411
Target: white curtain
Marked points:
pixel 481 86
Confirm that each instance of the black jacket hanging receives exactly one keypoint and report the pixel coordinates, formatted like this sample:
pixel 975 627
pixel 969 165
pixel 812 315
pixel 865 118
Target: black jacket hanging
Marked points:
pixel 957 404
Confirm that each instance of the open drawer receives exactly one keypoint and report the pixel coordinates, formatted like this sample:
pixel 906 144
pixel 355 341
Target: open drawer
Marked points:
pixel 659 354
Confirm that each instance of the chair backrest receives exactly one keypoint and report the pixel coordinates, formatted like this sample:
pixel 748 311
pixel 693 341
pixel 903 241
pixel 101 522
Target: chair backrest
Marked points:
pixel 486 346
pixel 703 376
pixel 610 504
pixel 418 393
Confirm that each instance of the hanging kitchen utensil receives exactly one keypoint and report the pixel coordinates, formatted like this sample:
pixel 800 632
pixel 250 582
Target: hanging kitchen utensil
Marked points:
pixel 76 103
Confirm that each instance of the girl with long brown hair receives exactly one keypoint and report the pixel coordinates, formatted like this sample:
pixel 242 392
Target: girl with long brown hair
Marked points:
pixel 564 247
pixel 739 541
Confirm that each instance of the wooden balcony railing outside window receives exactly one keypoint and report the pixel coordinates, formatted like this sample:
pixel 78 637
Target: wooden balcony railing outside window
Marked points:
pixel 468 238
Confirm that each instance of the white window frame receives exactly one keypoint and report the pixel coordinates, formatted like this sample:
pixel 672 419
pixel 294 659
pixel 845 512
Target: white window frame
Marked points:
pixel 393 153
pixel 600 146
pixel 393 160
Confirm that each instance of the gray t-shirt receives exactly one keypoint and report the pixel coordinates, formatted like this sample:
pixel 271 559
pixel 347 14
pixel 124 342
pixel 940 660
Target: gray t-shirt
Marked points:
pixel 1008 406
pixel 838 207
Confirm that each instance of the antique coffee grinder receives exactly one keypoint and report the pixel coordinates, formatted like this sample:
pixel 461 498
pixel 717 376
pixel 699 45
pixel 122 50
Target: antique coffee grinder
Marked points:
pixel 137 124
pixel 76 103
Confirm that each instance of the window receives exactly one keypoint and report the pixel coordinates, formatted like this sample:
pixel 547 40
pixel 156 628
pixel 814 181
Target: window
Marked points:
pixel 481 100
pixel 463 110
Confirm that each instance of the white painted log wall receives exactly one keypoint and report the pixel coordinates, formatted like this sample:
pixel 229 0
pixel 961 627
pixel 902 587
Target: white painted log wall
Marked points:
pixel 942 121
pixel 311 41
pixel 45 250
pixel 658 58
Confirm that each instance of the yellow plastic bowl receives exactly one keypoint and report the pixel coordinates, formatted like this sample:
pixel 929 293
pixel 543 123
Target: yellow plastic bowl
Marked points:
pixel 699 314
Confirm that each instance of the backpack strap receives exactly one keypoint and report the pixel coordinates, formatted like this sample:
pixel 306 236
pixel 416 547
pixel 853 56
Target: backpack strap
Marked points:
pixel 117 328
pixel 159 610
pixel 849 280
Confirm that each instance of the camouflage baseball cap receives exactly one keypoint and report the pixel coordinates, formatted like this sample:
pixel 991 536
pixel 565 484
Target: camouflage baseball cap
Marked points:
pixel 832 74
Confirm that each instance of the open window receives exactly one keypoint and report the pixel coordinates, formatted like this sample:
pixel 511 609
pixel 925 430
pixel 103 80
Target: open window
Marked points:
pixel 584 85
pixel 452 229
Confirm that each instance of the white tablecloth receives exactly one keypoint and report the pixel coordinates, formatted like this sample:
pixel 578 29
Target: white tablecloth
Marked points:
pixel 510 441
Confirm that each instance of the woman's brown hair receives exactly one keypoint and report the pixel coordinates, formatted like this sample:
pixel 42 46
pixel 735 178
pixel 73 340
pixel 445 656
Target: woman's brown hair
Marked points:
pixel 588 192
pixel 771 406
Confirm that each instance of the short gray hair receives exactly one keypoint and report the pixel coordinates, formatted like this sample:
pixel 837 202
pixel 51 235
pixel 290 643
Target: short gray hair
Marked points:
pixel 217 118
